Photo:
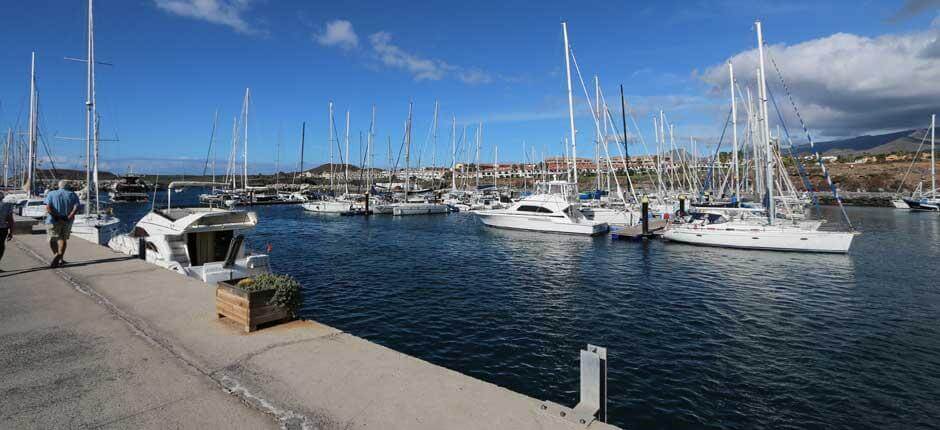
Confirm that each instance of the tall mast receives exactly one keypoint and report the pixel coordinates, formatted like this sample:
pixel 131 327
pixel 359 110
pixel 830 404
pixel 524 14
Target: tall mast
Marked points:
pixel 434 139
pixel 33 112
pixel 330 144
pixel 408 150
pixel 369 150
pixel 453 154
pixel 495 164
pixel 597 141
pixel 623 117
pixel 345 158
pixel 933 164
pixel 479 144
pixel 574 144
pixel 303 135
pixel 245 172
pixel 734 135
pixel 277 158
pixel 765 129
pixel 6 157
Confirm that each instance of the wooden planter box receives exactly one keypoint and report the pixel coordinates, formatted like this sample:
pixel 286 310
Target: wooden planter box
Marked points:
pixel 249 309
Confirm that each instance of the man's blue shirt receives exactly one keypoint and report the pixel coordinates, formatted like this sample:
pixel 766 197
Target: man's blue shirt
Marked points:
pixel 63 201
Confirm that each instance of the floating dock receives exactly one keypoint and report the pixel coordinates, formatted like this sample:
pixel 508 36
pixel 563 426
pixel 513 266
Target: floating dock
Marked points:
pixel 109 340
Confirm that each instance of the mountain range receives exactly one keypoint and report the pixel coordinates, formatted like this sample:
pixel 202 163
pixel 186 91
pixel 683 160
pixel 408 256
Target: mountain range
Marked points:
pixel 901 141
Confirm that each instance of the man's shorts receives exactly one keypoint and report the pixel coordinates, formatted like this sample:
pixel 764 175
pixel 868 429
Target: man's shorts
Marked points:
pixel 60 230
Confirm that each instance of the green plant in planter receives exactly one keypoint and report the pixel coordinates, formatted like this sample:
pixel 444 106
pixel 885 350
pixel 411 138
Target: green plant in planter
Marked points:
pixel 287 293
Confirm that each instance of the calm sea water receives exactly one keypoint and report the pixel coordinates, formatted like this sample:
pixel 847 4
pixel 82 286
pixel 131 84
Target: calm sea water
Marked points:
pixel 696 337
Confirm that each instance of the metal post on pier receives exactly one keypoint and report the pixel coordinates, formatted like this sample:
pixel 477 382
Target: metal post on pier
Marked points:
pixel 592 405
pixel 645 213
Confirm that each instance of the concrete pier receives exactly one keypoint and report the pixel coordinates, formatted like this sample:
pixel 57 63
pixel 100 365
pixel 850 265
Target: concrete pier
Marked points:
pixel 111 341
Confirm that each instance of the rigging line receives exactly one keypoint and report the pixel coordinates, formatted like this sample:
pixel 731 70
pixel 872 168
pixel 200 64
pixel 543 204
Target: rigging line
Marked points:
pixel 711 167
pixel 799 164
pixel 911 167
pixel 835 192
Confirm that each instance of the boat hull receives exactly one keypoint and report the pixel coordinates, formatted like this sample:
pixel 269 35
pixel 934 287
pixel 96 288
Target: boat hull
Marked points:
pixel 96 230
pixel 932 205
pixel 541 224
pixel 419 209
pixel 329 207
pixel 769 239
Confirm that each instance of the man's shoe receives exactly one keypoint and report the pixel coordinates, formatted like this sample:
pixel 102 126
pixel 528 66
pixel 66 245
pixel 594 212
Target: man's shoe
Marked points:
pixel 56 261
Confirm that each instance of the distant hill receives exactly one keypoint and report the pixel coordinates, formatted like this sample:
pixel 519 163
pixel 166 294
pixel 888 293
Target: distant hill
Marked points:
pixel 901 141
pixel 325 168
pixel 71 174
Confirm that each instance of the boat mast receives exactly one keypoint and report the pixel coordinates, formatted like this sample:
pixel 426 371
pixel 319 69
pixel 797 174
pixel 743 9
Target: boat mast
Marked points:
pixel 453 154
pixel 933 164
pixel 734 135
pixel 597 139
pixel 370 150
pixel 574 145
pixel 408 150
pixel 6 157
pixel 495 165
pixel 345 158
pixel 303 134
pixel 330 144
pixel 765 129
pixel 33 112
pixel 245 171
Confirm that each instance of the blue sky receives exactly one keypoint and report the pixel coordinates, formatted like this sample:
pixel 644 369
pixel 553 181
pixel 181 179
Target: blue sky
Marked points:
pixel 177 61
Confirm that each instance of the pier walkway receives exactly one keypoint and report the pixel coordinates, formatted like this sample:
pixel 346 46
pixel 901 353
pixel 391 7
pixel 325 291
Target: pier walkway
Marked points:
pixel 111 341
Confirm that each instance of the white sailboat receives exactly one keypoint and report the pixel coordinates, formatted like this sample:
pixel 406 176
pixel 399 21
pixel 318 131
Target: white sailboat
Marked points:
pixel 930 200
pixel 715 229
pixel 92 225
pixel 32 204
pixel 331 205
pixel 411 204
pixel 552 208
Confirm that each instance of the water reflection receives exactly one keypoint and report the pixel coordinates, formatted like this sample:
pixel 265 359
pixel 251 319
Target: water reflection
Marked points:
pixel 699 337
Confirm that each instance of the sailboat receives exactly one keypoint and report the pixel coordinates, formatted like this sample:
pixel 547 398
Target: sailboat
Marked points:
pixel 412 203
pixel 770 233
pixel 32 204
pixel 332 205
pixel 930 200
pixel 552 208
pixel 93 225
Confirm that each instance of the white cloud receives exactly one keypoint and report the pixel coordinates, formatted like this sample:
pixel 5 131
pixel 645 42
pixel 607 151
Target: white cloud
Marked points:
pixel 339 33
pixel 385 53
pixel 229 13
pixel 846 85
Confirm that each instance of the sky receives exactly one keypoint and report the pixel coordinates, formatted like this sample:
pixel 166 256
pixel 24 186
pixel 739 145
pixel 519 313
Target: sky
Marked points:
pixel 851 67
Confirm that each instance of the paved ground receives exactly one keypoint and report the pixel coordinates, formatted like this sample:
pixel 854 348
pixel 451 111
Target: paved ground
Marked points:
pixel 66 361
pixel 142 347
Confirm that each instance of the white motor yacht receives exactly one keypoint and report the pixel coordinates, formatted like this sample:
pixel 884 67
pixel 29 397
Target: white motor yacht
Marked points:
pixel 549 212
pixel 204 243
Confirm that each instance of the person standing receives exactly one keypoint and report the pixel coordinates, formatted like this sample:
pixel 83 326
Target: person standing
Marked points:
pixel 6 225
pixel 61 207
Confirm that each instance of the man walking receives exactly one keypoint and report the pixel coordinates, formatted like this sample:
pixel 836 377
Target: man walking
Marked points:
pixel 6 225
pixel 61 206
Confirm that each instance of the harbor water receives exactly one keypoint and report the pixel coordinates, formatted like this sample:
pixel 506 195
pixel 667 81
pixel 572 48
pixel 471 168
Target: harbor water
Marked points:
pixel 697 337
